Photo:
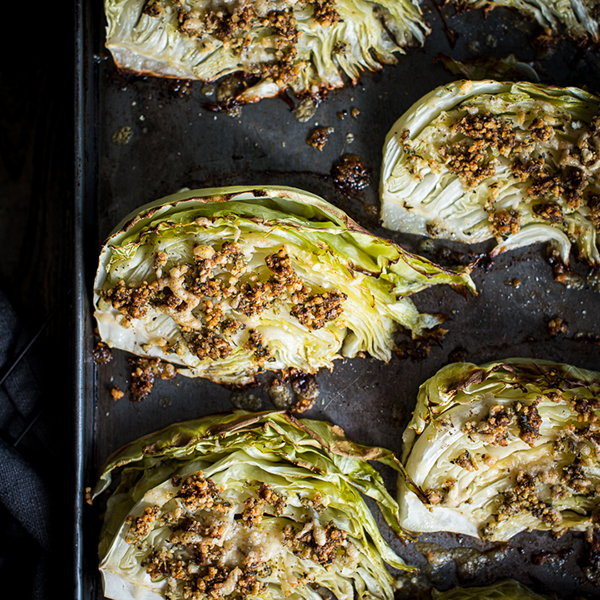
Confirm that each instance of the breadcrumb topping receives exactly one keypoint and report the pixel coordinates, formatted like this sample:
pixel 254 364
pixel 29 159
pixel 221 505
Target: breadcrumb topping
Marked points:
pixel 325 13
pixel 549 211
pixel 131 301
pixel 439 494
pixel 319 309
pixel 212 550
pixel 530 169
pixel 493 131
pixel 465 461
pixel 197 493
pixel 314 543
pixel 319 137
pixel 141 526
pixel 211 298
pixel 557 326
pixel 557 175
pixel 504 223
pixel 238 26
pixel 469 161
pixel 529 421
pixel 269 496
pixel 593 203
pixel 253 512
pixel 541 131
pixel 144 371
pixel 495 429
pixel 524 497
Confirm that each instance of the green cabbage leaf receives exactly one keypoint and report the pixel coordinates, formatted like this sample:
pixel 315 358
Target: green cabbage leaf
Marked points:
pixel 518 162
pixel 576 18
pixel 509 446
pixel 226 283
pixel 254 505
pixel 276 44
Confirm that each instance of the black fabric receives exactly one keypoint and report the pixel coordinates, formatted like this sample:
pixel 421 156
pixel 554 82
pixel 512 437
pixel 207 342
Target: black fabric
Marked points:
pixel 28 465
pixel 37 175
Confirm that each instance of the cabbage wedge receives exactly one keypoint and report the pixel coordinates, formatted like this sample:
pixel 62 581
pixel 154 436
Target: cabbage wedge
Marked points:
pixel 226 283
pixel 509 446
pixel 247 505
pixel 275 44
pixel 576 18
pixel 518 162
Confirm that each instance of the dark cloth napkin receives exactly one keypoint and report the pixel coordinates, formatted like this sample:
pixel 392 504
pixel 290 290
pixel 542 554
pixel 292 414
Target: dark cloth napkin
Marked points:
pixel 31 472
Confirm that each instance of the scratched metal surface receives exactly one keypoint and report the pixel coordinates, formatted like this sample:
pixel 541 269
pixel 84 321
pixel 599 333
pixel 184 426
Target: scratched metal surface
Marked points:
pixel 176 142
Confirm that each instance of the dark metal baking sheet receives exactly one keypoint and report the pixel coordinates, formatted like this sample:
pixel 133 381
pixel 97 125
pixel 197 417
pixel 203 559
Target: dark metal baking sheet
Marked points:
pixel 176 142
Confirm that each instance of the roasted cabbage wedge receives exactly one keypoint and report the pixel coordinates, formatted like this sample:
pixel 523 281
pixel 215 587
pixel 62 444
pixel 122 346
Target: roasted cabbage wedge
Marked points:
pixel 509 446
pixel 576 18
pixel 247 505
pixel 306 45
pixel 228 282
pixel 501 590
pixel 518 162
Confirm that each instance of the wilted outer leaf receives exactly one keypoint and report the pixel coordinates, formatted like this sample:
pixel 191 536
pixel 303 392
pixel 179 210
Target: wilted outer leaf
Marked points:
pixel 532 177
pixel 305 46
pixel 505 447
pixel 577 18
pixel 329 254
pixel 318 472
pixel 489 67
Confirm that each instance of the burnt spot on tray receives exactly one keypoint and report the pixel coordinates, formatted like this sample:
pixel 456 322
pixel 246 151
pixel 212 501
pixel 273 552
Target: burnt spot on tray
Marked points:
pixel 291 389
pixel 458 354
pixel 102 354
pixel 587 336
pixel 306 389
pixel 563 273
pixel 350 174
